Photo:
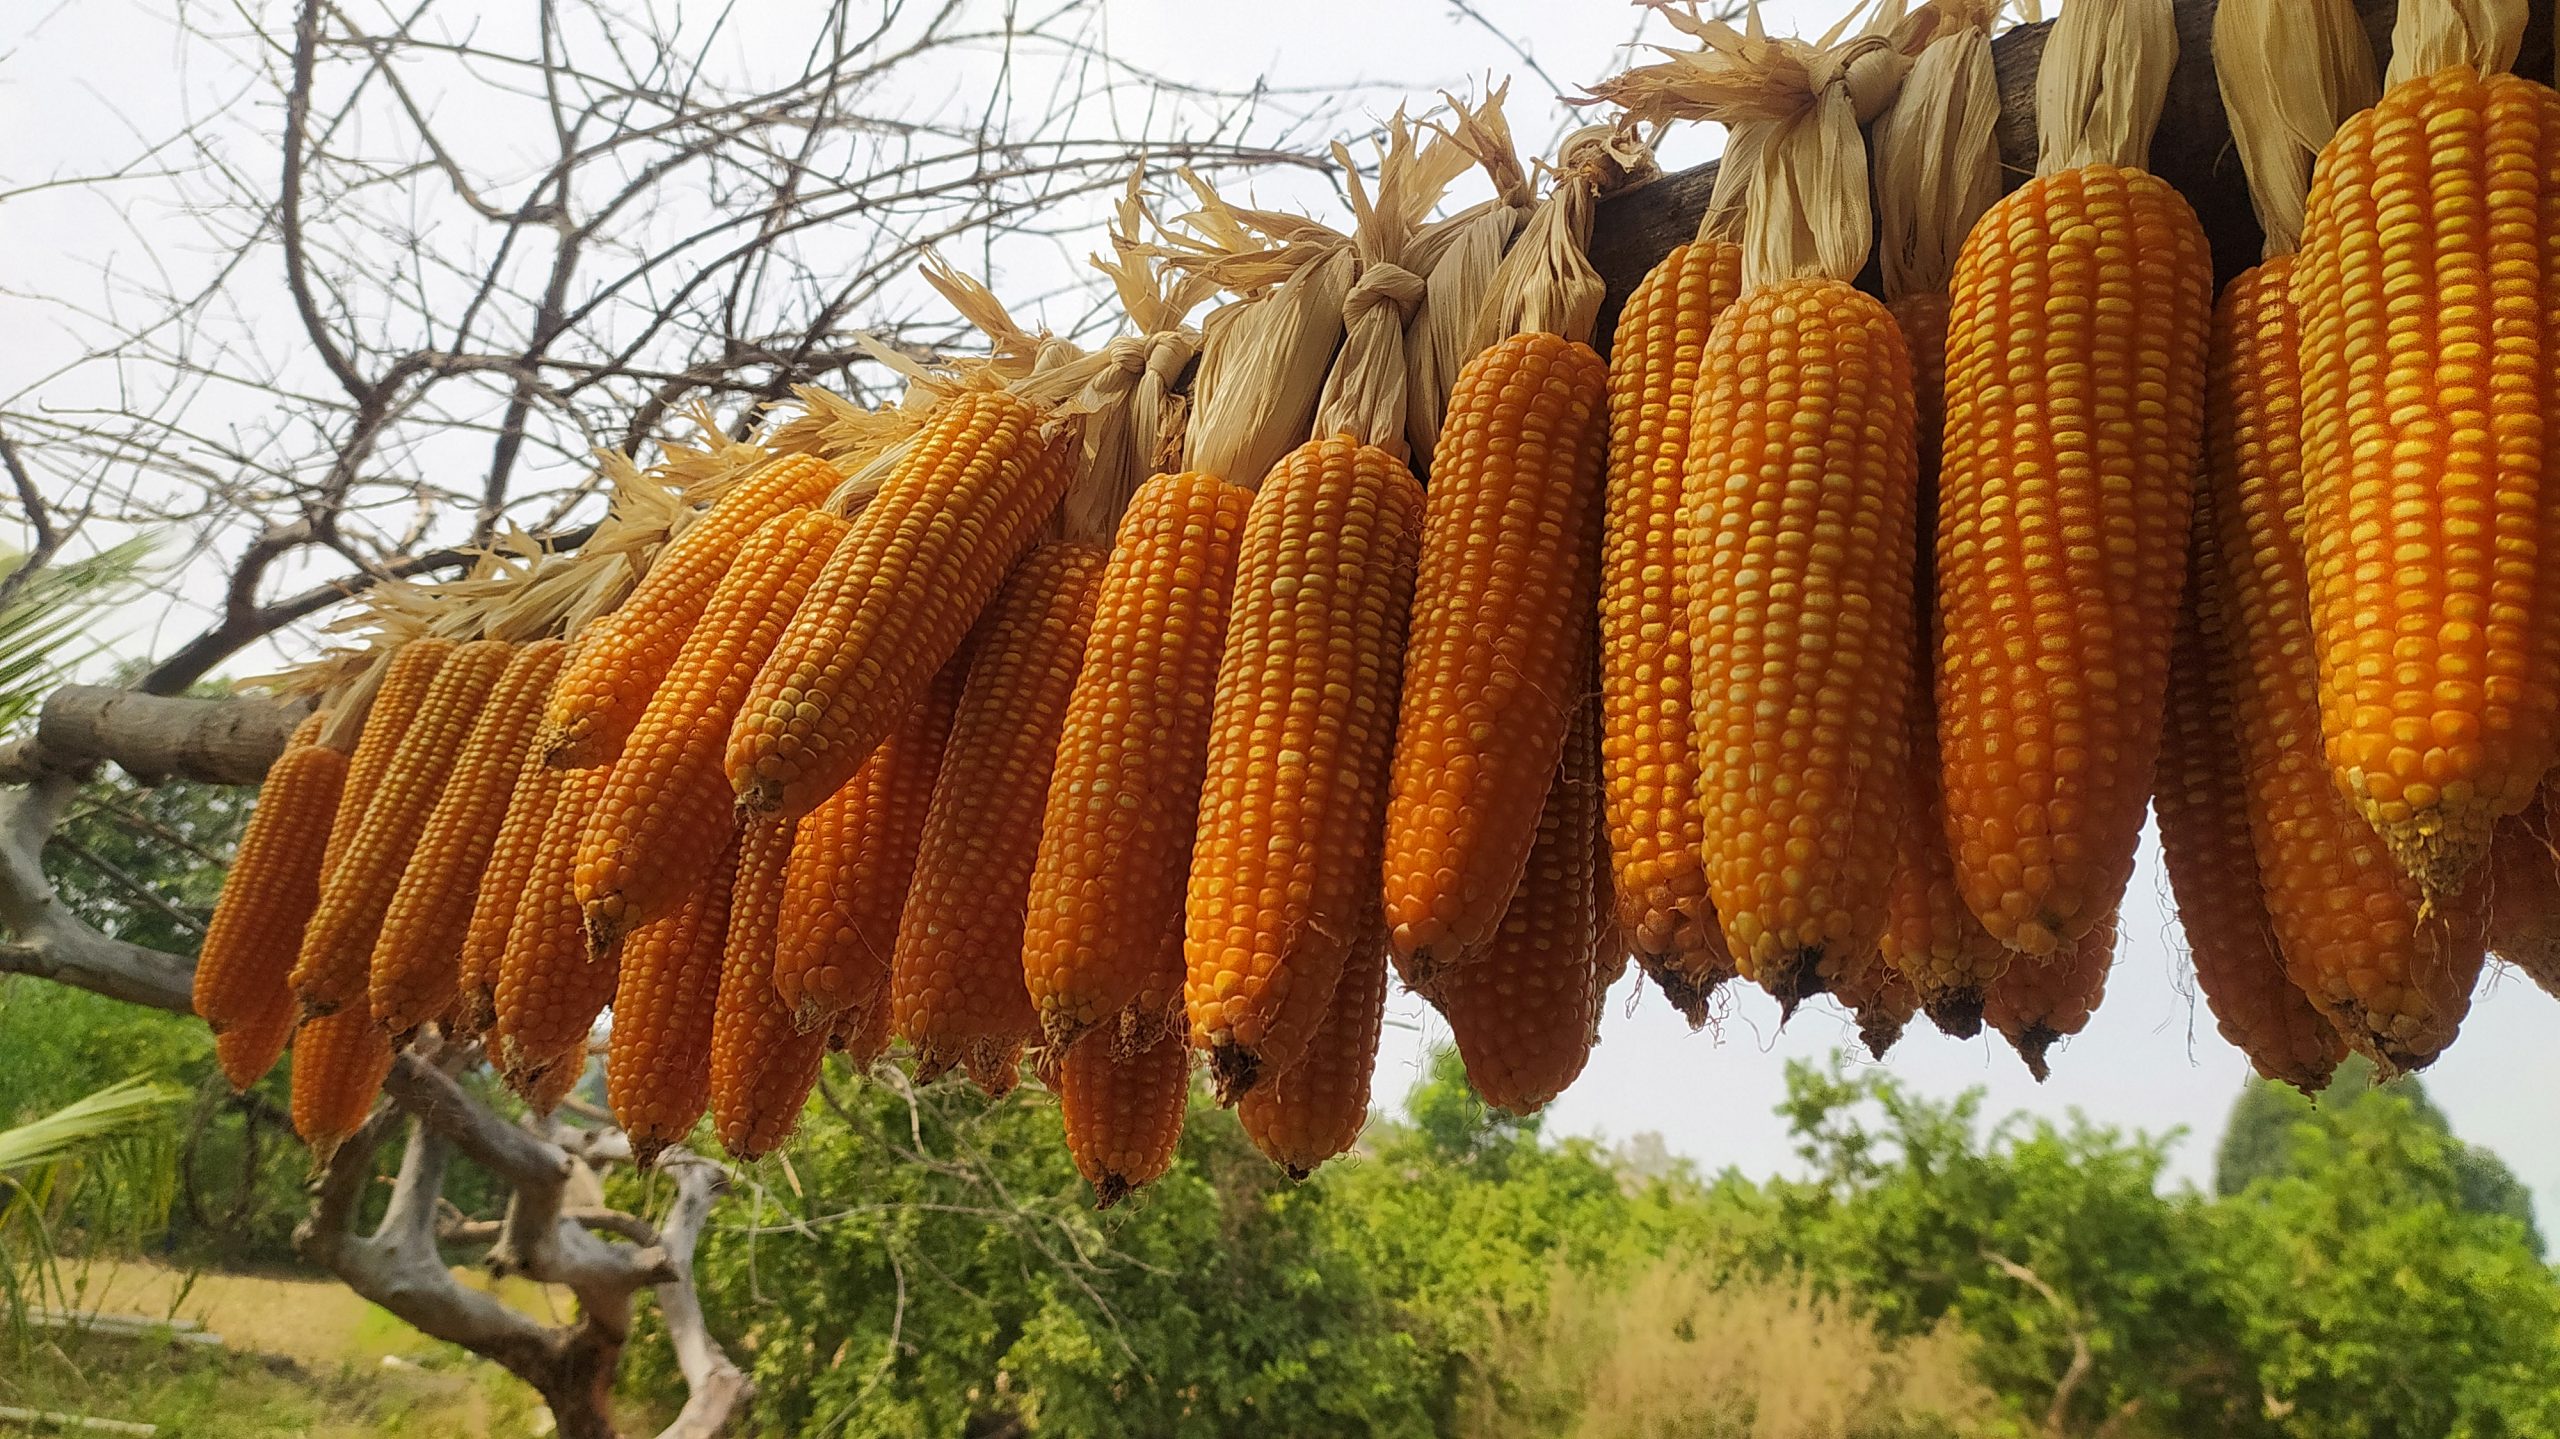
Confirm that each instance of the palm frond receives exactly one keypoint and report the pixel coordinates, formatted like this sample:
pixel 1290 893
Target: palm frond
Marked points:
pixel 83 1124
pixel 43 626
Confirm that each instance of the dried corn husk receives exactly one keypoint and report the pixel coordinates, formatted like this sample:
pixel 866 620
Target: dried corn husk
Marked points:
pixel 1459 257
pixel 1364 396
pixel 2291 70
pixel 1546 284
pixel 2102 81
pixel 1937 160
pixel 2433 34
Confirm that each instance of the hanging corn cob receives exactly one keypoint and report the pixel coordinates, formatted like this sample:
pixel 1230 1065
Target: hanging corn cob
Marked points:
pixel 2355 932
pixel 549 988
pixel 762 1065
pixel 413 973
pixel 1123 1110
pixel 2430 389
pixel 2075 376
pixel 337 949
pixel 1103 940
pixel 668 810
pixel 1648 752
pixel 853 861
pixel 928 551
pixel 1524 1006
pixel 273 884
pixel 502 889
pixel 956 975
pixel 1285 862
pixel 1937 170
pixel 1496 660
pixel 658 1066
pixel 2035 1003
pixel 1315 1109
pixel 339 1062
pixel 1798 495
pixel 603 692
pixel 2203 803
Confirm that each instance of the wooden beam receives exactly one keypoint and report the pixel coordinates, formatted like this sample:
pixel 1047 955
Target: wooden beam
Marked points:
pixel 2192 151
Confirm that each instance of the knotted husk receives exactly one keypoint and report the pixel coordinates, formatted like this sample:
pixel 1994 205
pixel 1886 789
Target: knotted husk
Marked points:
pixel 2290 70
pixel 1460 256
pixel 1131 409
pixel 1365 395
pixel 2099 88
pixel 1937 158
pixel 1546 285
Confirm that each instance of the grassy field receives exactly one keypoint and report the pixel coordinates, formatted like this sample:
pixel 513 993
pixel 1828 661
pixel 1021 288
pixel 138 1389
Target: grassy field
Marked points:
pixel 300 1357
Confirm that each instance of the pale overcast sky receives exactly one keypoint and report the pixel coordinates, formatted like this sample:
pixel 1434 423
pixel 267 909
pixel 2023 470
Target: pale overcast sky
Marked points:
pixel 78 81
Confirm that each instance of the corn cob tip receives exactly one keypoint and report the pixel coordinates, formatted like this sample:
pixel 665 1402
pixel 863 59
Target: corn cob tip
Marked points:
pixel 1060 1029
pixel 1109 1190
pixel 2033 1044
pixel 1296 1175
pixel 1796 979
pixel 809 1016
pixel 323 1149
pixel 994 1065
pixel 1233 1070
pixel 758 798
pixel 603 922
pixel 2441 850
pixel 1693 997
pixel 1956 1012
pixel 645 1150
pixel 1880 1032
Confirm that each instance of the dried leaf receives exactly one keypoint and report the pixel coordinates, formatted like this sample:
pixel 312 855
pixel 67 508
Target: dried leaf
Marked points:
pixel 2104 76
pixel 1937 157
pixel 2434 34
pixel 2291 71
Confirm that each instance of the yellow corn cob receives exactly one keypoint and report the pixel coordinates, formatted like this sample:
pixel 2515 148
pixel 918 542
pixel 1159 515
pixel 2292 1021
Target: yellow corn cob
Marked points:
pixel 2524 914
pixel 1931 940
pixel 2426 284
pixel 337 949
pixel 621 660
pixel 956 976
pixel 502 889
pixel 1801 491
pixel 1648 754
pixel 668 811
pixel 267 897
pixel 853 860
pixel 2075 377
pixel 414 967
pixel 405 680
pixel 2203 804
pixel 1314 1109
pixel 892 606
pixel 1524 1006
pixel 2352 926
pixel 339 1063
pixel 1285 863
pixel 2035 1002
pixel 1497 656
pixel 1124 1113
pixel 657 1069
pixel 550 988
pixel 762 1065
pixel 1105 921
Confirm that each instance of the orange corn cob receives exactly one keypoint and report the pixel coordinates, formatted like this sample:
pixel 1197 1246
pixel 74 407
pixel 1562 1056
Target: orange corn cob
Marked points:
pixel 861 1041
pixel 853 861
pixel 762 1065
pixel 2075 378
pixel 1498 650
pixel 1524 1006
pixel 956 975
pixel 1931 940
pixel 1647 751
pixel 1878 997
pixel 413 970
pixel 657 1069
pixel 267 897
pixel 2353 927
pixel 618 666
pixel 2203 804
pixel 1106 901
pixel 550 987
pixel 1124 1114
pixel 924 557
pixel 502 888
pixel 2524 914
pixel 1285 864
pixel 339 1063
pixel 668 811
pixel 337 949
pixel 2426 285
pixel 1314 1109
pixel 405 681
pixel 1800 616
pixel 2035 1002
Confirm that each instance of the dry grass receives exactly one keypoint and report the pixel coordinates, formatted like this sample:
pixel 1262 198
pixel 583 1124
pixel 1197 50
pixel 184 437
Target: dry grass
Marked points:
pixel 317 1323
pixel 1677 1352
